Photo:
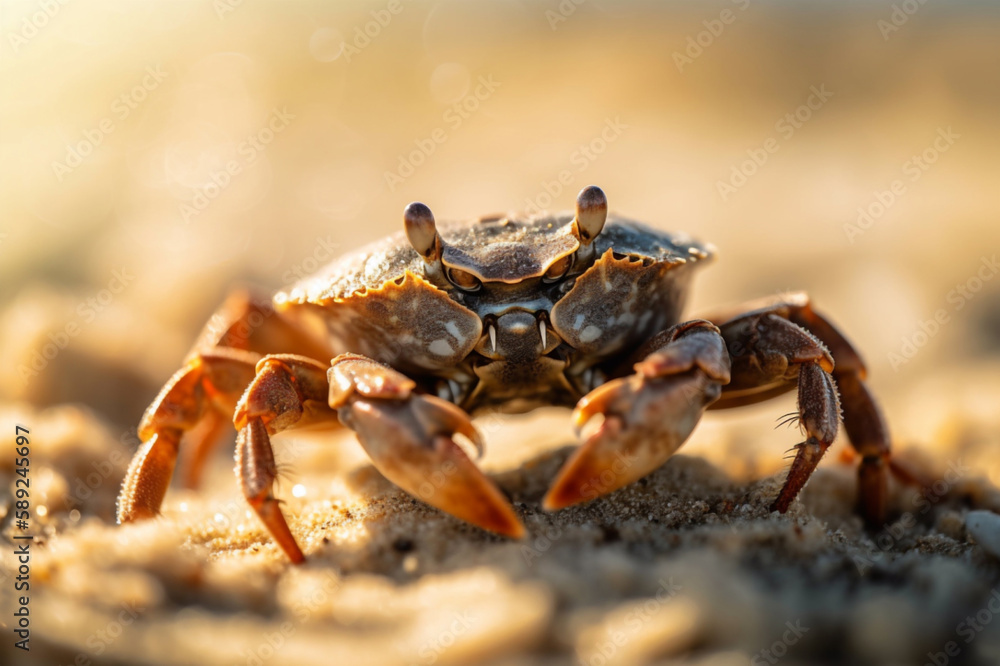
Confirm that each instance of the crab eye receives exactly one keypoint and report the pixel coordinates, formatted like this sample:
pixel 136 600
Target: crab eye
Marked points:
pixel 464 280
pixel 558 269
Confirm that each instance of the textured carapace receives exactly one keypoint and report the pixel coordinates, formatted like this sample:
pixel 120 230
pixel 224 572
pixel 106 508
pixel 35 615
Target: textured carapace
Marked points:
pixel 504 310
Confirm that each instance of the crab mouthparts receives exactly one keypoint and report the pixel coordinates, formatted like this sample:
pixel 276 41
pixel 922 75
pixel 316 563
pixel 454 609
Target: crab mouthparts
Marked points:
pixel 517 335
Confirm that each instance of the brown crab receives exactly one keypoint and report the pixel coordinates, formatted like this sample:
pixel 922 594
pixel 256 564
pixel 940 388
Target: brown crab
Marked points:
pixel 574 310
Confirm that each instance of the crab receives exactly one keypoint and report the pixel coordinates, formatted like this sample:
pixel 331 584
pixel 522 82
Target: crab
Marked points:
pixel 432 326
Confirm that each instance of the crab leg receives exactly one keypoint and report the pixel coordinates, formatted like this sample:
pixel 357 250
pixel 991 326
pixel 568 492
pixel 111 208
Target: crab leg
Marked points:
pixel 209 382
pixel 203 442
pixel 785 339
pixel 647 415
pixel 409 437
pixel 288 391
pixel 195 405
pixel 863 420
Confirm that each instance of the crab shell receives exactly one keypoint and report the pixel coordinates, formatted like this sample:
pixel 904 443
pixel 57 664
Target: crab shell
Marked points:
pixel 387 302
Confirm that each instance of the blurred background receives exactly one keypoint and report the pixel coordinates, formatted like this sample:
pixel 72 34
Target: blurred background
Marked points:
pixel 197 144
pixel 153 154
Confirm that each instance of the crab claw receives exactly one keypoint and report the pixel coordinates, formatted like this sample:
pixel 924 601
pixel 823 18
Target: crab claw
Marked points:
pixel 646 419
pixel 410 442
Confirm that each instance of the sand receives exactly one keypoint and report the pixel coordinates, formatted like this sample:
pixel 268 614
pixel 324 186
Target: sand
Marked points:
pixel 686 566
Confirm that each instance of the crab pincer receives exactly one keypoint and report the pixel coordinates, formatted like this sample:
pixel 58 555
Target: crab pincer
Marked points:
pixel 647 415
pixel 409 437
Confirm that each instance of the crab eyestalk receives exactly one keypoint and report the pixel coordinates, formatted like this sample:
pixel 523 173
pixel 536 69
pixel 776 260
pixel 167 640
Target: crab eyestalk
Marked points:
pixel 421 231
pixel 591 214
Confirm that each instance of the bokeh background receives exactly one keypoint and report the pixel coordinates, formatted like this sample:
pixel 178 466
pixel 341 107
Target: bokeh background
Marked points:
pixel 667 128
pixel 153 154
